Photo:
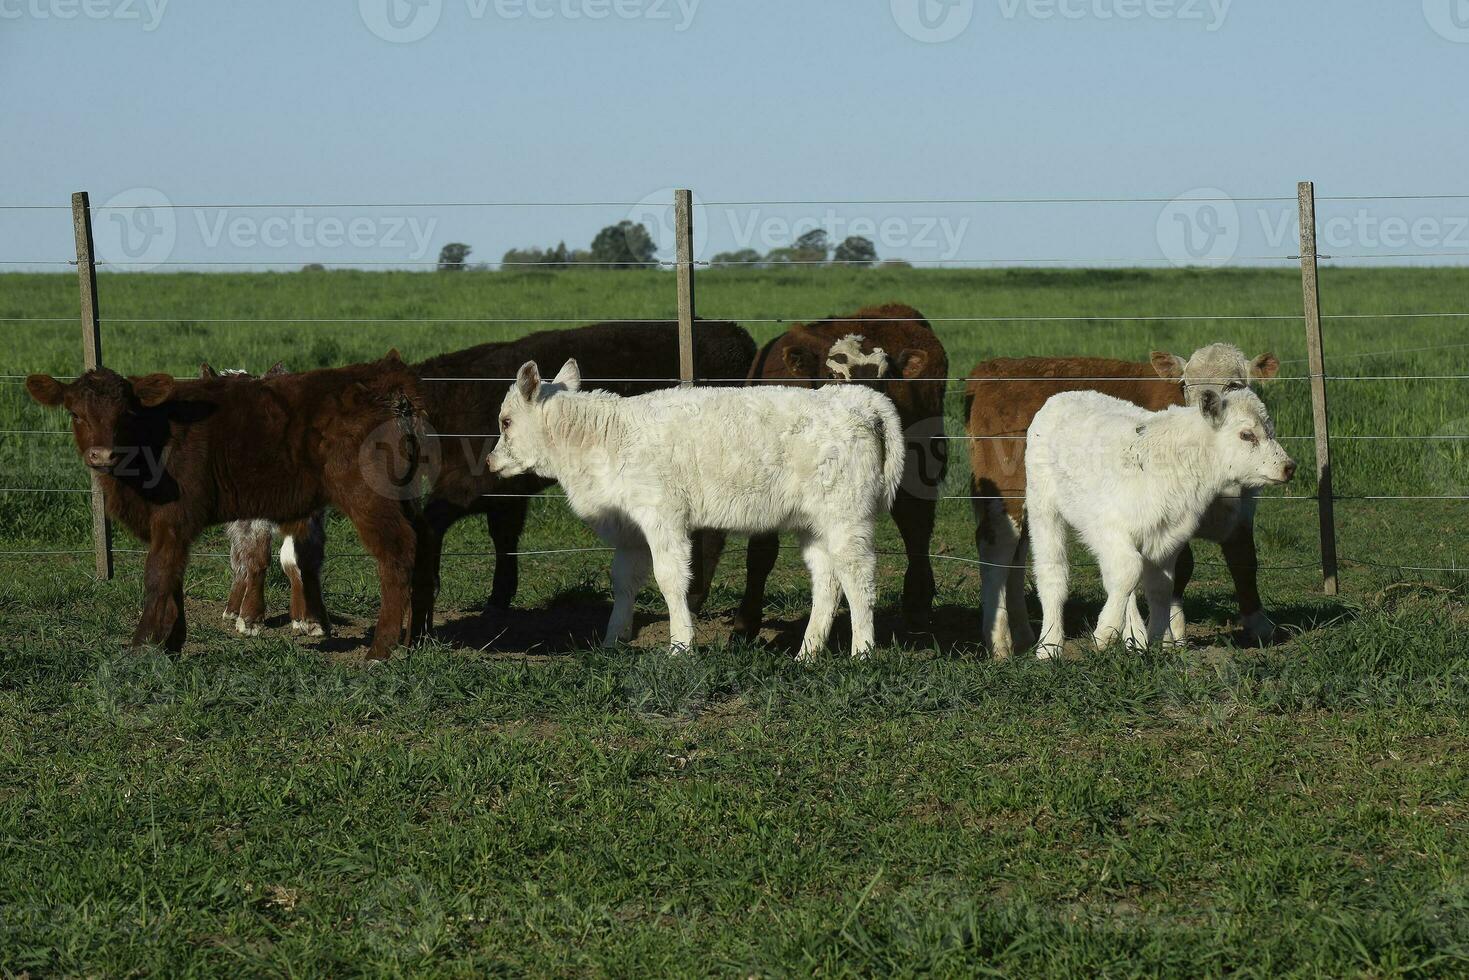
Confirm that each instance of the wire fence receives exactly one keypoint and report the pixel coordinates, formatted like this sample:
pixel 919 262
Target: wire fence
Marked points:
pixel 954 387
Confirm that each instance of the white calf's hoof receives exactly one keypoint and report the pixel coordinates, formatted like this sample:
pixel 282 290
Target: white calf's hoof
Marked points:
pixel 806 657
pixel 247 629
pixel 1048 651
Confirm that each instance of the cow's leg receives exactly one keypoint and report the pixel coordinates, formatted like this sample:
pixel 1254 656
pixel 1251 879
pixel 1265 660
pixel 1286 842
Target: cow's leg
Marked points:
pixel 631 563
pixel 239 533
pixel 1048 548
pixel 162 622
pixel 1244 567
pixel 1158 588
pixel 997 540
pixel 825 591
pixel 671 550
pixel 760 559
pixel 506 521
pixel 1021 634
pixel 303 549
pixel 708 546
pixel 853 555
pixel 390 537
pixel 914 517
pixel 1122 571
pixel 1183 573
pixel 249 559
pixel 438 516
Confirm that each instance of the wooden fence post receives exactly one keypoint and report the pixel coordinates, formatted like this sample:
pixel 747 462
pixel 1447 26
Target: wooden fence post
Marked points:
pixel 1306 193
pixel 81 219
pixel 683 223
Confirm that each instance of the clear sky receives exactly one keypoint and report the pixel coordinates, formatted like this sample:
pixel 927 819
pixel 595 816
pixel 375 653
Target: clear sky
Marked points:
pixel 287 101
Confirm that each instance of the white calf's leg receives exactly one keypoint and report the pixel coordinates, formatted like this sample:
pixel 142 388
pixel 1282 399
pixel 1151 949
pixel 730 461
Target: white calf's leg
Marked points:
pixel 1158 588
pixel 856 567
pixel 1048 550
pixel 1021 634
pixel 672 551
pixel 1122 570
pixel 825 589
pixel 998 541
pixel 631 563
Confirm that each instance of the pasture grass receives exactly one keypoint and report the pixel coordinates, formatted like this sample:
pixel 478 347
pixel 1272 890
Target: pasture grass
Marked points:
pixel 471 806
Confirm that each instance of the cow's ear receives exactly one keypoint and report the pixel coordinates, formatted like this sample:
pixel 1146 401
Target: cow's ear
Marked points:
pixel 392 356
pixel 1264 367
pixel 46 390
pixel 801 361
pixel 1167 365
pixel 569 375
pixel 206 371
pixel 912 363
pixel 275 370
pixel 528 381
pixel 153 390
pixel 1211 403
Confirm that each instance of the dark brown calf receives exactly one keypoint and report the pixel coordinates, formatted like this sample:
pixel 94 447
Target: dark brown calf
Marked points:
pixel 1002 396
pixel 462 393
pixel 893 349
pixel 177 456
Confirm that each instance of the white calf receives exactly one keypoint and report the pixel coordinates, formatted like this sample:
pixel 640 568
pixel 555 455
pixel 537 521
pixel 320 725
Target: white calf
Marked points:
pixel 647 470
pixel 1135 485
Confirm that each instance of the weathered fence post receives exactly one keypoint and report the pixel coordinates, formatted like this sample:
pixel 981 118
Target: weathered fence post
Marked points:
pixel 683 224
pixel 81 219
pixel 1306 193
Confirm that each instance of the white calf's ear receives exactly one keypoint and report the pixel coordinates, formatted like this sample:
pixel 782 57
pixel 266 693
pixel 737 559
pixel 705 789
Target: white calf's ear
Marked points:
pixel 1167 365
pixel 528 381
pixel 1212 405
pixel 569 375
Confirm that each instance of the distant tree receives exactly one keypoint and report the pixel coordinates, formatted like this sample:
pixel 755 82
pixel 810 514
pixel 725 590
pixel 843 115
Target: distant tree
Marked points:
pixel 855 251
pixel 812 246
pixel 744 256
pixel 313 267
pixel 626 243
pixel 895 264
pixel 781 256
pixel 452 256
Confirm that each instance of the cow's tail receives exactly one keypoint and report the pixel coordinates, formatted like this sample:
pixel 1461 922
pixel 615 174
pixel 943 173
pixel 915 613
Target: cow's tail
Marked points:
pixel 893 447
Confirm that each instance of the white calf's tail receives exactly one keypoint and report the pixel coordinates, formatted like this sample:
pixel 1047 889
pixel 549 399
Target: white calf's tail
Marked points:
pixel 893 446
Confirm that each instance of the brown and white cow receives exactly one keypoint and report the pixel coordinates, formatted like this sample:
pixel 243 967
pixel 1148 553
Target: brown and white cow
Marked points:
pixel 894 350
pixel 1001 398
pixel 303 550
pixel 175 456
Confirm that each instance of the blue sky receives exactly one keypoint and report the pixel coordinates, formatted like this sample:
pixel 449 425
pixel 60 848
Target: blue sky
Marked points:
pixel 618 101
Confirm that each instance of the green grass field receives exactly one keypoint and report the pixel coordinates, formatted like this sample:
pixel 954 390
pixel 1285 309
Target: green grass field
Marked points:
pixel 507 801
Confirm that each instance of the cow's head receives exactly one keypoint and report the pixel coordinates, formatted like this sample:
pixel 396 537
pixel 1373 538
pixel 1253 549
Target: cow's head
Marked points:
pixel 521 447
pixel 207 371
pixel 1244 438
pixel 810 356
pixel 1220 368
pixel 108 412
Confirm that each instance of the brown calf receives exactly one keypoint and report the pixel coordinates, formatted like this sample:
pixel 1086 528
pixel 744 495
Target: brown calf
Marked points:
pixel 462 393
pixel 176 456
pixel 303 549
pixel 1001 397
pixel 893 349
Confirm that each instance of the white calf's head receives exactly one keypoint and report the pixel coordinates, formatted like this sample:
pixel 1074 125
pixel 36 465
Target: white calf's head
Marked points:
pixel 1220 368
pixel 521 447
pixel 1244 439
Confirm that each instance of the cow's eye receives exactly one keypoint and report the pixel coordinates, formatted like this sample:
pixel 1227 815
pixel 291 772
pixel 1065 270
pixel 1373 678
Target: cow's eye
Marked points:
pixel 1249 437
pixel 504 425
pixel 1234 386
